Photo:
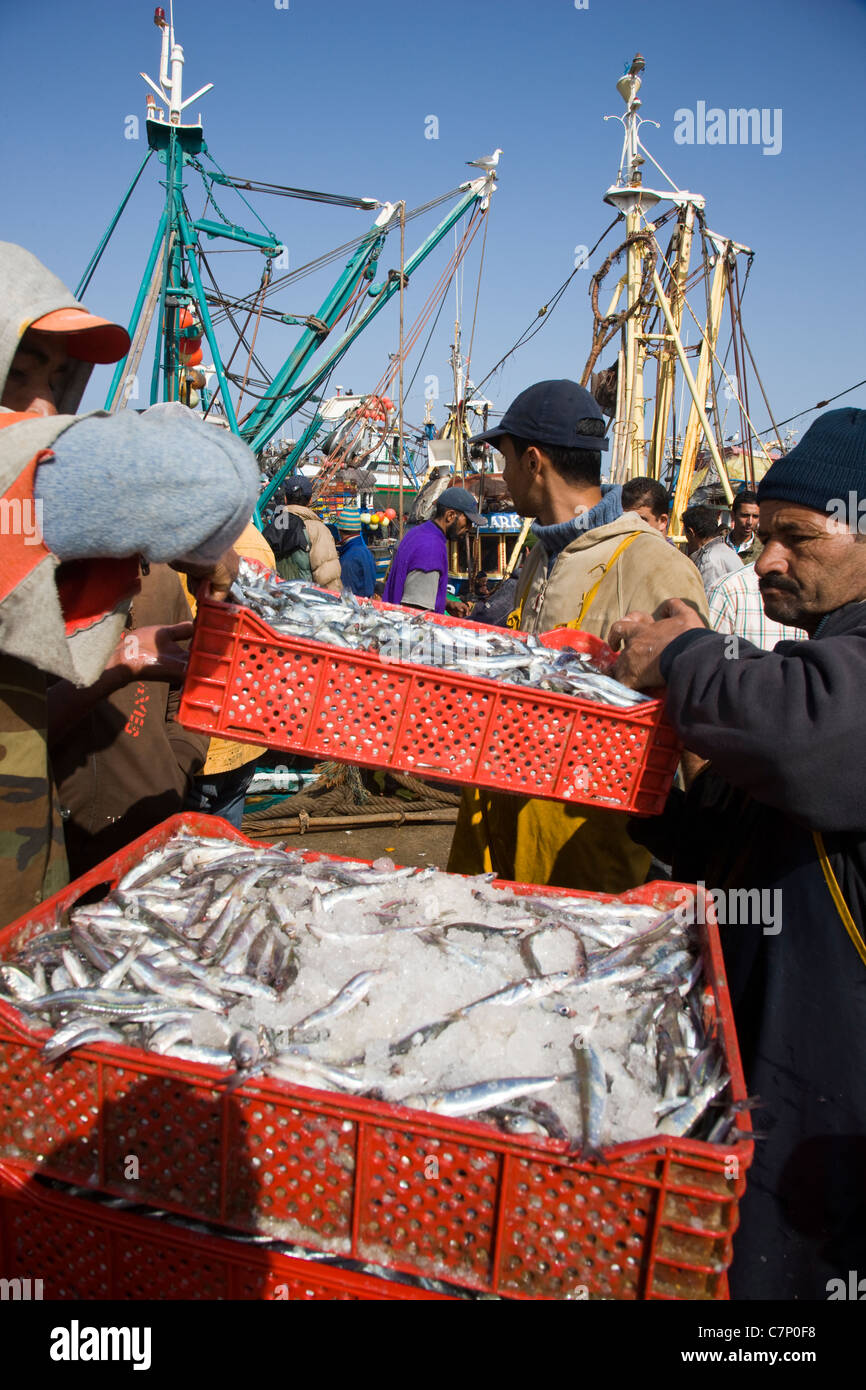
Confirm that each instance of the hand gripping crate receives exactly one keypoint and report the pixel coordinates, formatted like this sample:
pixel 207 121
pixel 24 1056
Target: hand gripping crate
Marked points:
pixel 414 1192
pixel 247 682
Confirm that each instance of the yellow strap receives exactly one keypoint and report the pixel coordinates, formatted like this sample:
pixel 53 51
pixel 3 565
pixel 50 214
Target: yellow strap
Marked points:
pixel 515 618
pixel 838 898
pixel 588 598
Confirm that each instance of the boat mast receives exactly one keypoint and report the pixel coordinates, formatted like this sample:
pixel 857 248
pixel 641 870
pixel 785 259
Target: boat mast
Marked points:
pixel 629 197
pixel 171 294
pixel 655 285
pixel 184 314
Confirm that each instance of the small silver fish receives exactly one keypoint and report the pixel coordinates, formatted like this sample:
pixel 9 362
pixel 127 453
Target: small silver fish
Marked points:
pixel 426 1033
pixel 537 987
pixel 196 1052
pixel 306 1071
pixel 682 1120
pixel 164 1037
pixel 75 969
pixel 110 1003
pixel 592 1084
pixel 346 998
pixel 485 1095
pixel 78 1033
pixel 115 973
pixel 19 984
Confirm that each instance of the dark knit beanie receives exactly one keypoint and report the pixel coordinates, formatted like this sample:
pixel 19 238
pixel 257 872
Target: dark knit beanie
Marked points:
pixel 826 466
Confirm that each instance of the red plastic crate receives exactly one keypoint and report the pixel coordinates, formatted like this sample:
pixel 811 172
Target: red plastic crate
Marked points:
pixel 82 1249
pixel 408 1190
pixel 247 682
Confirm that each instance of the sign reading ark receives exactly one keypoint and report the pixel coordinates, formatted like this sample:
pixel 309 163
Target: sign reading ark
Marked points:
pixel 501 521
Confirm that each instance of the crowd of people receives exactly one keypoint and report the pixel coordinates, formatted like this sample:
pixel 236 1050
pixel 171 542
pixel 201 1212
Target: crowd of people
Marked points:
pixel 756 635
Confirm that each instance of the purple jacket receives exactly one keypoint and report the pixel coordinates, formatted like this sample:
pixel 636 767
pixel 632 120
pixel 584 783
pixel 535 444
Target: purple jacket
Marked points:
pixel 423 547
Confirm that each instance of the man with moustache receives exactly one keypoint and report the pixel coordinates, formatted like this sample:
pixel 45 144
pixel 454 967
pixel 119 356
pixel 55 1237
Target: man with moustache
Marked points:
pixel 781 806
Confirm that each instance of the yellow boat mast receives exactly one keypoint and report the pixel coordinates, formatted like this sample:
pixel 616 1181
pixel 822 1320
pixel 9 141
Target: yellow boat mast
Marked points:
pixel 649 324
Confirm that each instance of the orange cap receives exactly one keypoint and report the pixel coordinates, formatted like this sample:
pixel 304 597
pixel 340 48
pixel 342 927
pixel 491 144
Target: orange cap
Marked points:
pixel 88 338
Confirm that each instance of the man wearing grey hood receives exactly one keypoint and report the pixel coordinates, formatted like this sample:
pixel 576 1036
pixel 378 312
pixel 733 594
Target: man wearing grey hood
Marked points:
pixel 83 501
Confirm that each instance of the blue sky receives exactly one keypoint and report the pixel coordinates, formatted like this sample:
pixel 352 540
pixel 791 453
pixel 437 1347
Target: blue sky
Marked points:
pixel 334 95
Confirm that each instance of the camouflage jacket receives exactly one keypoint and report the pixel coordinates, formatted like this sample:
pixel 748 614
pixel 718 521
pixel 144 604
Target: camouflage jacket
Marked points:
pixel 31 831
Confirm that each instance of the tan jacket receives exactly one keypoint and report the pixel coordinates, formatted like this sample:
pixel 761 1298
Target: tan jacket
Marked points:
pixel 647 573
pixel 324 561
pixel 575 846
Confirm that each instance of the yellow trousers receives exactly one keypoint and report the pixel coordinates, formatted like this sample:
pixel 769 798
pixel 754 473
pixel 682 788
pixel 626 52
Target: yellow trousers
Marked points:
pixel 529 840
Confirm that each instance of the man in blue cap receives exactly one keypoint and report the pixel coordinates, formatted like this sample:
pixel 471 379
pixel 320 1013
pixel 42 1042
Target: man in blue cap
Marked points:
pixel 591 564
pixel 778 816
pixel 418 577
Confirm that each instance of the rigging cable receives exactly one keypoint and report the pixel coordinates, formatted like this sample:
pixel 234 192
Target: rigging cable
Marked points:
pixel 340 252
pixel 715 357
pixel 266 275
pixel 819 406
pixel 426 345
pixel 440 292
pixel 477 296
pixel 240 335
pixel 545 310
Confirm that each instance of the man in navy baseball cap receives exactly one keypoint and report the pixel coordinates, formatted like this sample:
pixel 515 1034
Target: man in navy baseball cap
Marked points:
pixel 418 577
pixel 460 499
pixel 590 565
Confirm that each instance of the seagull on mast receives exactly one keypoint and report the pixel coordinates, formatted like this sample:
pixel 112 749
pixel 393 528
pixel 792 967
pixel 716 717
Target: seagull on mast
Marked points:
pixel 488 162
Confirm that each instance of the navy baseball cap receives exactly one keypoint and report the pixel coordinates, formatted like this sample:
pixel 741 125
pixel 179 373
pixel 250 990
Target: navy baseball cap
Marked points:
pixel 297 490
pixel 550 412
pixel 460 499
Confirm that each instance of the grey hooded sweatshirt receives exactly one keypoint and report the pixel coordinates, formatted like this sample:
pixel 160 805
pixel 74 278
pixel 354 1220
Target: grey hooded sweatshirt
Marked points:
pixel 161 485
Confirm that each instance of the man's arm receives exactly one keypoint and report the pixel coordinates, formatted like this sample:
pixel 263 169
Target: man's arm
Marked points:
pixel 421 589
pixel 151 653
pixel 722 560
pixel 219 575
pixel 787 728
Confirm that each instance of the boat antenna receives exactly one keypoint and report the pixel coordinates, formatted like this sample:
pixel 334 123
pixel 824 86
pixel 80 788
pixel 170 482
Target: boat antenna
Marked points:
pixel 172 54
